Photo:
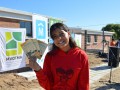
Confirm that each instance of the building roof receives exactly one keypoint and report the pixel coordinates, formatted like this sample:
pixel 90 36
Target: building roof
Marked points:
pixel 82 31
pixel 20 15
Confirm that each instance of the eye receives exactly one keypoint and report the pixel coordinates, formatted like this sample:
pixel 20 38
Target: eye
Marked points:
pixel 61 34
pixel 54 37
pixel 57 36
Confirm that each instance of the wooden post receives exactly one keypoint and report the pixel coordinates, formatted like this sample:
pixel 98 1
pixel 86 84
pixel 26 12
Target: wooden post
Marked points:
pixel 85 40
pixel 103 40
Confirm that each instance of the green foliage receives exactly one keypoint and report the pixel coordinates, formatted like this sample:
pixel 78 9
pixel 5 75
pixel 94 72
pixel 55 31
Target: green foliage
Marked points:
pixel 113 28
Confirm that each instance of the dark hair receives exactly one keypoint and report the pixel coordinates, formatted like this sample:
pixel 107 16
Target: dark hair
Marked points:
pixel 61 26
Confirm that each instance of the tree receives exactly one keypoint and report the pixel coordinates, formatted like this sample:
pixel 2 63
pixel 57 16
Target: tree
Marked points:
pixel 113 28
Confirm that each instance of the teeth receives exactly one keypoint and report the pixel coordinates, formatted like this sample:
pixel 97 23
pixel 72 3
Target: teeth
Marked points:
pixel 61 42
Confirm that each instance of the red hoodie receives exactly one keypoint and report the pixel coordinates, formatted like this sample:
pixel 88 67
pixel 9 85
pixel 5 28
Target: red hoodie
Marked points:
pixel 65 71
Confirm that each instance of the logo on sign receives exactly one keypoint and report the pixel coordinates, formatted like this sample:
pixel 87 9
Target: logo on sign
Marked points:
pixel 40 29
pixel 13 43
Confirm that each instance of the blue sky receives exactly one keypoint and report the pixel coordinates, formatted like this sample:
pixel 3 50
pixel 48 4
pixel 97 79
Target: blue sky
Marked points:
pixel 89 14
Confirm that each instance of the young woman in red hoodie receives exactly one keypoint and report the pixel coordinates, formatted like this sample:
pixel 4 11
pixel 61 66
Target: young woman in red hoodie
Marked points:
pixel 65 66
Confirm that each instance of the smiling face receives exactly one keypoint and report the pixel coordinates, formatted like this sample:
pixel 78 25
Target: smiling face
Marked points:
pixel 61 39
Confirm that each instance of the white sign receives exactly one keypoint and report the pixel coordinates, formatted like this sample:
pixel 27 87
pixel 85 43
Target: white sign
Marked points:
pixel 11 53
pixel 40 32
pixel 78 39
pixel 40 28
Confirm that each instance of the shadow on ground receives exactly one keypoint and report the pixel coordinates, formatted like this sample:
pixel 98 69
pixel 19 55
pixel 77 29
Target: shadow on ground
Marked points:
pixel 109 86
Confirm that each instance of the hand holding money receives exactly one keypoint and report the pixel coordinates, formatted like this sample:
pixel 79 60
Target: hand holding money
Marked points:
pixel 33 64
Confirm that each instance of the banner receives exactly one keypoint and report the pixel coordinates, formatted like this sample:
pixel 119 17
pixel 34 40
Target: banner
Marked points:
pixel 40 28
pixel 51 22
pixel 40 32
pixel 11 53
pixel 78 38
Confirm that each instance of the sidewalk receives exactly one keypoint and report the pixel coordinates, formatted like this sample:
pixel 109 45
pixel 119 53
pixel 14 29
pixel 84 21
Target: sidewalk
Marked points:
pixel 95 73
pixel 98 72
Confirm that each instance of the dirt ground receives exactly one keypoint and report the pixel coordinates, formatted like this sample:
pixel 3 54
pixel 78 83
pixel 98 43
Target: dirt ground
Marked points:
pixel 11 81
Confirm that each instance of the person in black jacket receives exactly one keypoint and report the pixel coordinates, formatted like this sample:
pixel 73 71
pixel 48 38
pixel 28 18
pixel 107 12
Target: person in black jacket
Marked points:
pixel 118 43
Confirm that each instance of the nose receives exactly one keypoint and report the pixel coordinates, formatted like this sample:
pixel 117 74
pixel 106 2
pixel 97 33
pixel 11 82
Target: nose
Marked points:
pixel 58 37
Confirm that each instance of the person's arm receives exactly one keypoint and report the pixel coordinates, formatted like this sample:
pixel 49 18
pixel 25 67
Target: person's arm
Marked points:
pixel 83 80
pixel 44 76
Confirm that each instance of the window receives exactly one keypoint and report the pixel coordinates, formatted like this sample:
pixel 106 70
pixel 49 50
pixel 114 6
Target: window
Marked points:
pixel 88 39
pixel 28 26
pixel 95 38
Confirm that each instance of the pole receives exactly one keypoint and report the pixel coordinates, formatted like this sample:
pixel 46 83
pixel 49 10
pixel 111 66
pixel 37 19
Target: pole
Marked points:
pixel 85 41
pixel 103 40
